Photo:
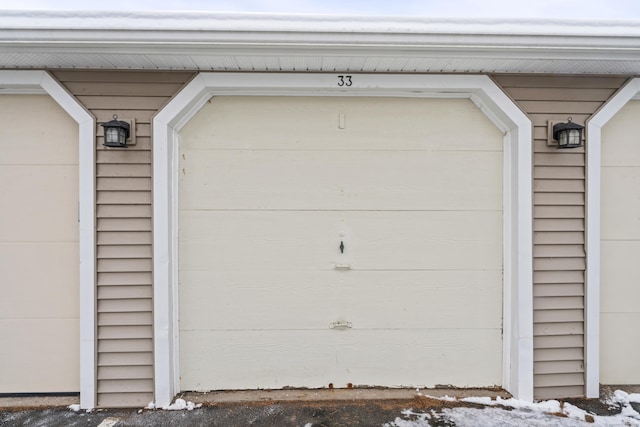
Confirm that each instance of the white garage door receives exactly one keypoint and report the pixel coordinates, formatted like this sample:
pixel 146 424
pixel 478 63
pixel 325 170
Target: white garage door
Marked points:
pixel 272 187
pixel 620 249
pixel 39 329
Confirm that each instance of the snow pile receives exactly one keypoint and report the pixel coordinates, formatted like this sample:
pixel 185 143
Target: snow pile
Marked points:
pixel 492 416
pixel 625 400
pixel 497 417
pixel 75 407
pixel 546 405
pixel 628 416
pixel 510 412
pixel 181 404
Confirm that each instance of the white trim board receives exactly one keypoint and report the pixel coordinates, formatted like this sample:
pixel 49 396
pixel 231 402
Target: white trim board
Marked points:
pixel 32 82
pixel 592 303
pixel 518 275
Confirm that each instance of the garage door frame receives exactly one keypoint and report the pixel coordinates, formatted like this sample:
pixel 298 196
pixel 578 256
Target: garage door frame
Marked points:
pixel 481 90
pixel 630 91
pixel 41 83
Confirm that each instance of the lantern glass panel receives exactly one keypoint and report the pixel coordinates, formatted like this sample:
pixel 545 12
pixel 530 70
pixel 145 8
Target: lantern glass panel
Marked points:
pixel 574 137
pixel 112 135
pixel 562 141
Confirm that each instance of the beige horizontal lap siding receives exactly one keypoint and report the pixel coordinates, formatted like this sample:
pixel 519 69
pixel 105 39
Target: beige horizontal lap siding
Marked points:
pixel 559 225
pixel 124 228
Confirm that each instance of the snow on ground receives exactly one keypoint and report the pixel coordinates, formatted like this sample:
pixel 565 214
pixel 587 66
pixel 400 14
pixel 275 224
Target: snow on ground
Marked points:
pixel 181 404
pixel 511 412
pixel 178 405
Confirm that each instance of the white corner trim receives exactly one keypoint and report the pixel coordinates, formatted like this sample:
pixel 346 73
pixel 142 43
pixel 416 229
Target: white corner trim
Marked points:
pixel 31 82
pixel 518 270
pixel 592 292
pixel 86 212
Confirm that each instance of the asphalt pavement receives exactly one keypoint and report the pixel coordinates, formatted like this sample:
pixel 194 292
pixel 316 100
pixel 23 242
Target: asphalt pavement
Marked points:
pixel 283 408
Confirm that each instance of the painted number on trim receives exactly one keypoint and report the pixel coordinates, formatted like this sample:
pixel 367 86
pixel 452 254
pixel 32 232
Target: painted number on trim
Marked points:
pixel 344 81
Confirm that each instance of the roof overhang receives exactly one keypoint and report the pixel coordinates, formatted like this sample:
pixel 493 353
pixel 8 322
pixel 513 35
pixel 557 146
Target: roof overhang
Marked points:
pixel 268 42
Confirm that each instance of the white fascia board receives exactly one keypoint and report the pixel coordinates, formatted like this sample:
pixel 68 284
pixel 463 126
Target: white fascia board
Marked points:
pixel 518 277
pixel 472 46
pixel 592 299
pixel 202 21
pixel 30 82
pixel 194 32
pixel 163 38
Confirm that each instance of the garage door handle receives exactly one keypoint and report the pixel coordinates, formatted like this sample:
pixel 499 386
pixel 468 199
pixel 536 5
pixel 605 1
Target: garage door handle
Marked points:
pixel 340 324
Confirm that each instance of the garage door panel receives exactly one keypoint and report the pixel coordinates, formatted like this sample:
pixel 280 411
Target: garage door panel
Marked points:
pixel 321 180
pixel 36 356
pixel 267 300
pixel 619 349
pixel 32 190
pixel 462 240
pixel 36 130
pixel 284 124
pixel 310 240
pixel 370 300
pixel 271 186
pixel 621 190
pixel 39 305
pixel 277 359
pixel 427 357
pixel 620 275
pixel 620 248
pixel 618 148
pixel 55 279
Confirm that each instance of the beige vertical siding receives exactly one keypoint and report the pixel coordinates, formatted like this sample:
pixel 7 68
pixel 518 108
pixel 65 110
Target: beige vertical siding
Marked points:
pixel 559 225
pixel 124 234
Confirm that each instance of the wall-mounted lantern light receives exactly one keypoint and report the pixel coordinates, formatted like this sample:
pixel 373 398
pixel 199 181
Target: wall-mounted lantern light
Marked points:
pixel 568 135
pixel 116 133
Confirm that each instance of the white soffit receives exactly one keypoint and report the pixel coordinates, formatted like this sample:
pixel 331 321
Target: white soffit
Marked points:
pixel 269 42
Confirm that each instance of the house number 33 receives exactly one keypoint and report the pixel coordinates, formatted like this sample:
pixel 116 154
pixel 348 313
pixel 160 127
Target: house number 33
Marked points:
pixel 344 81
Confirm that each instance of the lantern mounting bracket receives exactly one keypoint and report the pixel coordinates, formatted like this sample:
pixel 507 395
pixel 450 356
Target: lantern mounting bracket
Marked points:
pixel 132 131
pixel 550 141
